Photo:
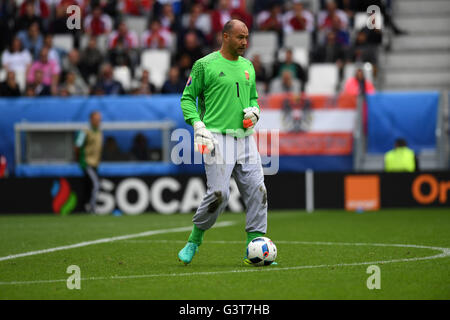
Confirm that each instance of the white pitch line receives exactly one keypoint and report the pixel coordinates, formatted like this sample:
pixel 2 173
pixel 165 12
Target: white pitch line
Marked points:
pixel 445 252
pixel 106 240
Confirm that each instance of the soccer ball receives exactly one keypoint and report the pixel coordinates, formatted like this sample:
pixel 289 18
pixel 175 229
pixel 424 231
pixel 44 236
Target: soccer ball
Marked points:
pixel 261 251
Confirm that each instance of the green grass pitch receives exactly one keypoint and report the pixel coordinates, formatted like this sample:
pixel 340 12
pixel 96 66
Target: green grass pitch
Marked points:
pixel 323 255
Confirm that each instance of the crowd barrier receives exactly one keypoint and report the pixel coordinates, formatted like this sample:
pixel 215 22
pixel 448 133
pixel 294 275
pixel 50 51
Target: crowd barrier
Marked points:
pixel 183 193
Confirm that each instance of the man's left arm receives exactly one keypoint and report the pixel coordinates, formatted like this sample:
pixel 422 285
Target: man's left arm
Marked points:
pixel 251 113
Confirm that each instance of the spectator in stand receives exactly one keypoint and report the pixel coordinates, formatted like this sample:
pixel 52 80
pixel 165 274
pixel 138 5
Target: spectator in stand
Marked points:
pixel 7 20
pixel 200 20
pixel 74 85
pixel 325 17
pixel 144 85
pixel 41 8
pixel 184 63
pixel 285 84
pixel 192 27
pixel 123 44
pixel 32 39
pixel 342 34
pixel 191 46
pixel 359 85
pixel 239 11
pixel 261 77
pixel 71 63
pixel 261 5
pixel 169 20
pixel 374 36
pixel 90 60
pixel 220 16
pixel 272 20
pixel 53 53
pixel 173 84
pixel 156 37
pixel 136 7
pixel 298 19
pixel 15 58
pixel 140 150
pixel 128 38
pixel 362 51
pixel 289 64
pixel 330 52
pixel 98 23
pixel 50 71
pixel 9 88
pixel 29 91
pixel 63 91
pixel 40 89
pixel 58 25
pixel 28 16
pixel 106 84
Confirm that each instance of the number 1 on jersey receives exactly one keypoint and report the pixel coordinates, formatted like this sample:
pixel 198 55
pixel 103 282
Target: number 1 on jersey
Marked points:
pixel 237 87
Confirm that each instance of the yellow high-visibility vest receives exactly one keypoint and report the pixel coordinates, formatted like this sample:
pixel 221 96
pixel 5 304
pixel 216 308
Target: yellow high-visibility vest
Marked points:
pixel 400 159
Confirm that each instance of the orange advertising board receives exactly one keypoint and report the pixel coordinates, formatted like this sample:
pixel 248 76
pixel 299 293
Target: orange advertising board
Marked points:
pixel 362 192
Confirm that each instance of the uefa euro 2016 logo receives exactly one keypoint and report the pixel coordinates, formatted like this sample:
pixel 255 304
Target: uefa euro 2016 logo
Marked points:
pixel 64 199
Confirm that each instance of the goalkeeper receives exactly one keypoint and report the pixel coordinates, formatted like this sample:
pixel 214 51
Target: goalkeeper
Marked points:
pixel 223 121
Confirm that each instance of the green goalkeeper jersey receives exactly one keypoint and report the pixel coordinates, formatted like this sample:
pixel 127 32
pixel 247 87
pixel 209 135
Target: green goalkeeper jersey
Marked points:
pixel 224 88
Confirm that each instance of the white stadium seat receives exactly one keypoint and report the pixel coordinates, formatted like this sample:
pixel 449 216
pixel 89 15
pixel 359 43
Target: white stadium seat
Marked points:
pixel 264 39
pixel 63 41
pixel 300 55
pixel 102 42
pixel 137 24
pixel 322 78
pixel 123 75
pixel 157 61
pixel 299 39
pixel 361 18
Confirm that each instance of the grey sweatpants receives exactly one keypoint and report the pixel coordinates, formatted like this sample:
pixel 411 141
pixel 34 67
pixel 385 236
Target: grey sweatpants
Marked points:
pixel 237 158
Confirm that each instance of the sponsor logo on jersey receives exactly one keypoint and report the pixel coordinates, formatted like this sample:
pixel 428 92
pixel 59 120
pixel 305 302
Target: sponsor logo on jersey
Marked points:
pixel 221 74
pixel 247 75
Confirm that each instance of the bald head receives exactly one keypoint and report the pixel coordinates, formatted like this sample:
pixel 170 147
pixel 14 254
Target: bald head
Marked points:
pixel 231 24
pixel 234 39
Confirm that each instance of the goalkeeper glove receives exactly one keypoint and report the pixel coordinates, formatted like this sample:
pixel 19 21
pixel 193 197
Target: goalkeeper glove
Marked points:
pixel 204 141
pixel 251 117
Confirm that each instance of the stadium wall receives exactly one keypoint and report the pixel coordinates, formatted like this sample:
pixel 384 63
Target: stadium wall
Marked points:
pixel 183 193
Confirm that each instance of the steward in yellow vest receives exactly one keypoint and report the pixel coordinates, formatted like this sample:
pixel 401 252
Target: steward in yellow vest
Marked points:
pixel 400 159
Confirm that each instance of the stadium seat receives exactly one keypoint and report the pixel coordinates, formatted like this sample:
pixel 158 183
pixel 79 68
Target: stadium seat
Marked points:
pixel 264 39
pixel 123 75
pixel 102 42
pixel 300 39
pixel 21 78
pixel 137 24
pixel 158 63
pixel 267 57
pixel 323 78
pixel 300 55
pixel 361 19
pixel 63 42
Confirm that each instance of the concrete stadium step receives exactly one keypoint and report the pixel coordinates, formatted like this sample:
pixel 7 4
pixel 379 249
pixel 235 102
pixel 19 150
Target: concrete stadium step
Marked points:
pixel 417 60
pixel 438 79
pixel 373 162
pixel 412 42
pixel 422 7
pixel 424 24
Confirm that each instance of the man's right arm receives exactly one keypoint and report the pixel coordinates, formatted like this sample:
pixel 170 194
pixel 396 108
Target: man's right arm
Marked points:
pixel 194 87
